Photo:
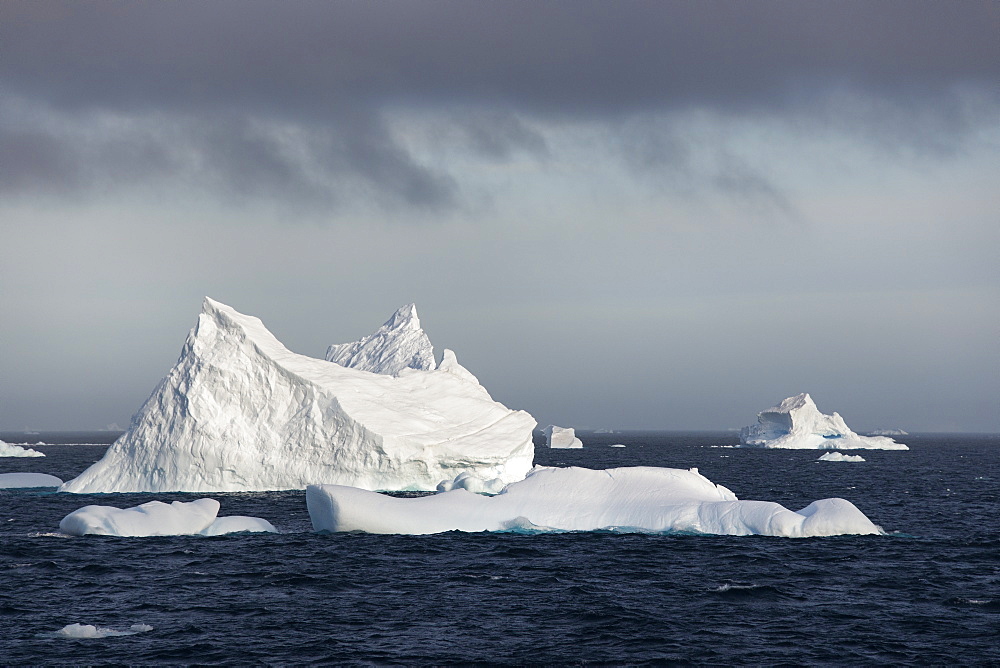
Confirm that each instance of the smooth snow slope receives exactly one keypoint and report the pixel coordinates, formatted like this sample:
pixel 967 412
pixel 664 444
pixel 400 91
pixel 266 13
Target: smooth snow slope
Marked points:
pixel 638 498
pixel 796 423
pixel 398 344
pixel 241 412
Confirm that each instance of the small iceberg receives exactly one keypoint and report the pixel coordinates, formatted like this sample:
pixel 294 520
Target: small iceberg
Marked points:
pixel 840 457
pixel 888 432
pixel 8 450
pixel 632 499
pixel 796 423
pixel 561 437
pixel 28 480
pixel 156 518
pixel 91 631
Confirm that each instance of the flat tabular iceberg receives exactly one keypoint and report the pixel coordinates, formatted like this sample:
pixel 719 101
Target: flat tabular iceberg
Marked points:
pixel 577 499
pixel 156 518
pixel 796 423
pixel 840 457
pixel 561 437
pixel 8 450
pixel 240 412
pixel 25 480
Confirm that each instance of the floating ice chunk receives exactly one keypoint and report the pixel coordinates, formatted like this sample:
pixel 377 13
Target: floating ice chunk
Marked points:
pixel 398 344
pixel 797 423
pixel 240 412
pixel 8 450
pixel 91 631
pixel 617 445
pixel 576 499
pixel 238 524
pixel 840 457
pixel 561 437
pixel 154 518
pixel 25 480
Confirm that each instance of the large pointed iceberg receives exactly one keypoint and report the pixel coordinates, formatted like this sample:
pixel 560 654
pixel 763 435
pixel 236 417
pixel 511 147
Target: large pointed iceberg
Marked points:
pixel 796 423
pixel 240 412
pixel 640 498
pixel 398 344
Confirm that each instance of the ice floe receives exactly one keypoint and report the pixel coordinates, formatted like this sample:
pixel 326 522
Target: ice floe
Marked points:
pixel 157 518
pixel 25 480
pixel 840 457
pixel 9 450
pixel 646 499
pixel 796 423
pixel 240 412
pixel 91 631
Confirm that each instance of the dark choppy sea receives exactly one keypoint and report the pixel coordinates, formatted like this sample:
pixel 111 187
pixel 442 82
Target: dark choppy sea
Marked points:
pixel 929 593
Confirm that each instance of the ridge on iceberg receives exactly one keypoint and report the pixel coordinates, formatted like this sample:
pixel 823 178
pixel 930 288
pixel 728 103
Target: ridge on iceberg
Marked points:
pixel 8 450
pixel 398 344
pixel 636 499
pixel 156 518
pixel 561 437
pixel 796 423
pixel 240 412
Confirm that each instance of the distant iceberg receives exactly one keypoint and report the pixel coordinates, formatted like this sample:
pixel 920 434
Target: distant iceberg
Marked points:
pixel 561 437
pixel 634 499
pixel 28 480
pixel 797 423
pixel 8 450
pixel 156 518
pixel 240 412
pixel 888 432
pixel 840 457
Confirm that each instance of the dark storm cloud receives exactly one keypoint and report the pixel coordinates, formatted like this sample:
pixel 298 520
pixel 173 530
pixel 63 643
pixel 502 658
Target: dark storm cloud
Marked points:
pixel 331 68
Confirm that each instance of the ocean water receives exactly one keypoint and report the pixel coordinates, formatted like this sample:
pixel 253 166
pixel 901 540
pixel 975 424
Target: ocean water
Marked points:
pixel 927 593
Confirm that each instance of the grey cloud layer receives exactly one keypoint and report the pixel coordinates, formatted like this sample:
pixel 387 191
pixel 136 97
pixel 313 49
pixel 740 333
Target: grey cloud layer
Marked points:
pixel 330 71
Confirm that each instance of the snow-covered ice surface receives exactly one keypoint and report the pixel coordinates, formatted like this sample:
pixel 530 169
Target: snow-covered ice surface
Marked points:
pixel 156 518
pixel 561 437
pixel 8 450
pixel 25 480
pixel 398 344
pixel 796 423
pixel 643 499
pixel 91 631
pixel 240 412
pixel 840 457
pixel 471 483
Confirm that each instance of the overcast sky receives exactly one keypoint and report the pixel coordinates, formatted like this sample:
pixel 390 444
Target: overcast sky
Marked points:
pixel 619 214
